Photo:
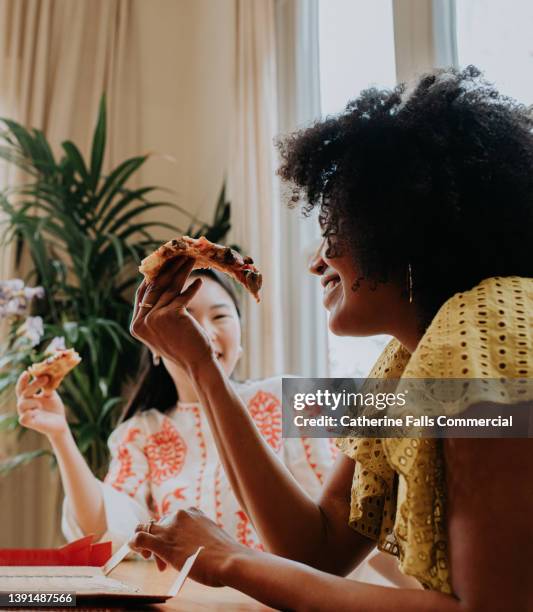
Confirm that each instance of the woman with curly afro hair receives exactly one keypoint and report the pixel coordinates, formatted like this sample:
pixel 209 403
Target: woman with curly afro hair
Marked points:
pixel 425 201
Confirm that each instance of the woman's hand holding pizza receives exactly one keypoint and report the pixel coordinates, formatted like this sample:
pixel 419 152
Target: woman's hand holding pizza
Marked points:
pixel 38 409
pixel 161 321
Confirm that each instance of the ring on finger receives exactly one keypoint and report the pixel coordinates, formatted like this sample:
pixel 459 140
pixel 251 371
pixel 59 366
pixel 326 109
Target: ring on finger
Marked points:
pixel 146 305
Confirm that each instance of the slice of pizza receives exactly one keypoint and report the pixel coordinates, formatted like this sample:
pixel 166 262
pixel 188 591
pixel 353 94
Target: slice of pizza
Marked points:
pixel 56 367
pixel 207 255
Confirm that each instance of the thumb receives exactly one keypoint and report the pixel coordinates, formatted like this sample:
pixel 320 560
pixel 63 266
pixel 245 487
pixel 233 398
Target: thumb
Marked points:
pixel 26 418
pixel 40 420
pixel 32 419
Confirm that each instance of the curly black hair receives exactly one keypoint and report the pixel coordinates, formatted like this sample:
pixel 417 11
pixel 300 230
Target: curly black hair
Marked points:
pixel 439 179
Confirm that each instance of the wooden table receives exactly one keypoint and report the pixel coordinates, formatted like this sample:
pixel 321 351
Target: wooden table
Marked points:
pixel 192 597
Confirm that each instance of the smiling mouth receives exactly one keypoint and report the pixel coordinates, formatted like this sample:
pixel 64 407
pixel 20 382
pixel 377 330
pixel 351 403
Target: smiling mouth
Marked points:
pixel 331 282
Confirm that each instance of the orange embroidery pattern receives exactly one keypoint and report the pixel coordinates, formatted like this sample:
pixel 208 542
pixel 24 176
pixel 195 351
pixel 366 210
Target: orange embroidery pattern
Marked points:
pixel 131 435
pixel 309 457
pixel 166 504
pixel 165 451
pixel 333 449
pixel 203 449
pixel 203 453
pixel 265 409
pixel 218 503
pixel 119 477
pixel 244 532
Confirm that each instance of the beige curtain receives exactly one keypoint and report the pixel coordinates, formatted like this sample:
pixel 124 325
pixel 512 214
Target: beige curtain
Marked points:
pixel 252 183
pixel 56 59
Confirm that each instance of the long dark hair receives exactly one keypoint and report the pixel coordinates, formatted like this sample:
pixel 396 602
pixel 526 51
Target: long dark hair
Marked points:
pixel 154 387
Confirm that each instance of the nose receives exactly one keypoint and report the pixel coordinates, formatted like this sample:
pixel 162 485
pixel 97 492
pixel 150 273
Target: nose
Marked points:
pixel 317 265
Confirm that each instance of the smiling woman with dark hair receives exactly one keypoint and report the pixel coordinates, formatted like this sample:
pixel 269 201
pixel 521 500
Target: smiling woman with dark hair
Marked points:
pixel 426 206
pixel 432 188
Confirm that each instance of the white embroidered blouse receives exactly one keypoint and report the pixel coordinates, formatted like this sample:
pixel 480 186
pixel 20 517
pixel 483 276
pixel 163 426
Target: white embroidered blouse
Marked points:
pixel 161 463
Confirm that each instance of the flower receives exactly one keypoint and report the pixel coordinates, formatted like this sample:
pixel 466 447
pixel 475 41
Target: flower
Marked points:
pixel 33 292
pixel 57 344
pixel 32 329
pixel 15 306
pixel 12 285
pixel 15 298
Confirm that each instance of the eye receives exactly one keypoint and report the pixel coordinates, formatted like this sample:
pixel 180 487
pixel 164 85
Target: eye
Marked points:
pixel 221 316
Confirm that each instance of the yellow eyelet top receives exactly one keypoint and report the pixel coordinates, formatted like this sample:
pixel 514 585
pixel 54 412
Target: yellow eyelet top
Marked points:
pixel 398 492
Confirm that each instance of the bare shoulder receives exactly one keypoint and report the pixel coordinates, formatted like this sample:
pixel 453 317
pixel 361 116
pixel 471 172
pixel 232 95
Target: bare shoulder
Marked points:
pixel 489 515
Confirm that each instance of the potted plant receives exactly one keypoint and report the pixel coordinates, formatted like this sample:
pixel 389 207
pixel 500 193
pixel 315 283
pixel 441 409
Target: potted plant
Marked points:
pixel 85 233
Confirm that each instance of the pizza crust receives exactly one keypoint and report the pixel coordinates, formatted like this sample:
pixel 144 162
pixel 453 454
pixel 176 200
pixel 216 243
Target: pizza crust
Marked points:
pixel 206 255
pixel 56 367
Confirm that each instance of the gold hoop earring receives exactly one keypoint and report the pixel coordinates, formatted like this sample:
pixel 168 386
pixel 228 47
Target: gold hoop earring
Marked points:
pixel 410 282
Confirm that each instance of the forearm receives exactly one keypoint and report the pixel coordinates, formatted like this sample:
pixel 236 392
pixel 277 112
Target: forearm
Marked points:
pixel 288 521
pixel 80 485
pixel 287 585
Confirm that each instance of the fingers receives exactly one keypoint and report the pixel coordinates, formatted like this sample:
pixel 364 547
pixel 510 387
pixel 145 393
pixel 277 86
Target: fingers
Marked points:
pixel 24 405
pixel 169 283
pixel 180 300
pixel 26 418
pixel 161 565
pixel 37 418
pixel 187 295
pixel 22 383
pixel 33 418
pixel 139 294
pixel 143 541
pixel 25 389
pixel 153 528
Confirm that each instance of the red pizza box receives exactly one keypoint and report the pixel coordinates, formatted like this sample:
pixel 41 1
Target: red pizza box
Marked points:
pixel 79 552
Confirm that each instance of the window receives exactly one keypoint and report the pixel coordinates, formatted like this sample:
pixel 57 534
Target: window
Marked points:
pixel 496 37
pixel 356 49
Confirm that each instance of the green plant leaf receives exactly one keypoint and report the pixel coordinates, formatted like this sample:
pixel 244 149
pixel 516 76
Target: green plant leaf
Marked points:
pixel 8 465
pixel 117 179
pixel 25 140
pixel 9 422
pixel 8 380
pixel 134 212
pixel 75 158
pixel 84 233
pixel 141 227
pixel 108 406
pixel 122 203
pixel 98 147
pixel 41 148
pixel 87 433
